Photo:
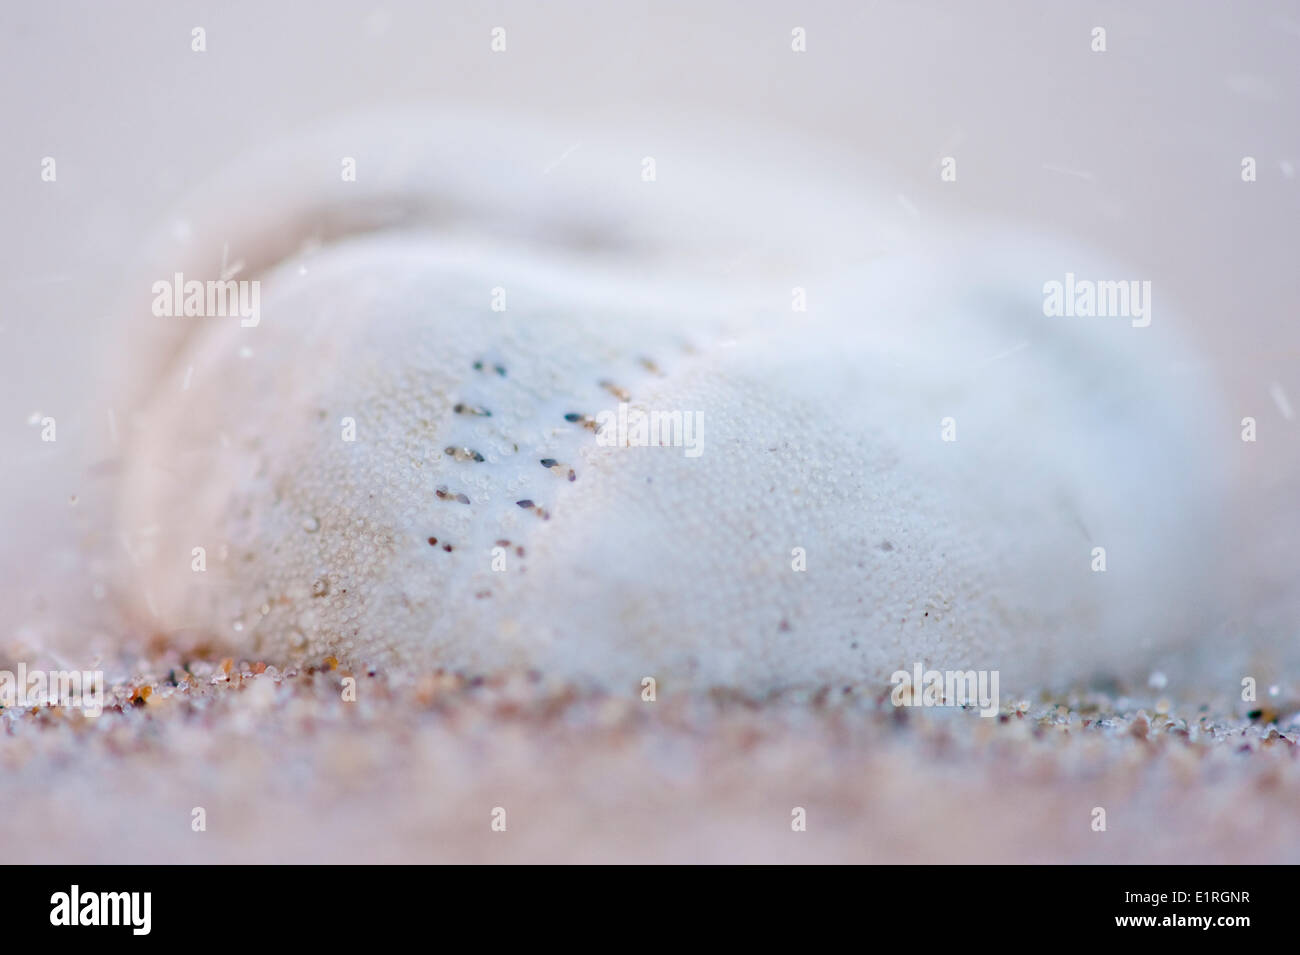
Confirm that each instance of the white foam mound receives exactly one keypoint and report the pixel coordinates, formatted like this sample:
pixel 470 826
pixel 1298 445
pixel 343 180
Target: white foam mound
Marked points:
pixel 353 466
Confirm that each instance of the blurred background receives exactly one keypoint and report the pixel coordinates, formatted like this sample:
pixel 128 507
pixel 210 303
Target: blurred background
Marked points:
pixel 1135 152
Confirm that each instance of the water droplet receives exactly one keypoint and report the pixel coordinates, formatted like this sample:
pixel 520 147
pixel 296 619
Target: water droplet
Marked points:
pixel 310 524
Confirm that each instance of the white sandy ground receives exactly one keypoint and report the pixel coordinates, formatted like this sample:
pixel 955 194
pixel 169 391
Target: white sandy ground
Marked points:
pixel 288 772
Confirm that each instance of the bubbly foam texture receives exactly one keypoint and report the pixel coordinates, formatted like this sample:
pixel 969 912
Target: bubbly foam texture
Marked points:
pixel 476 521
